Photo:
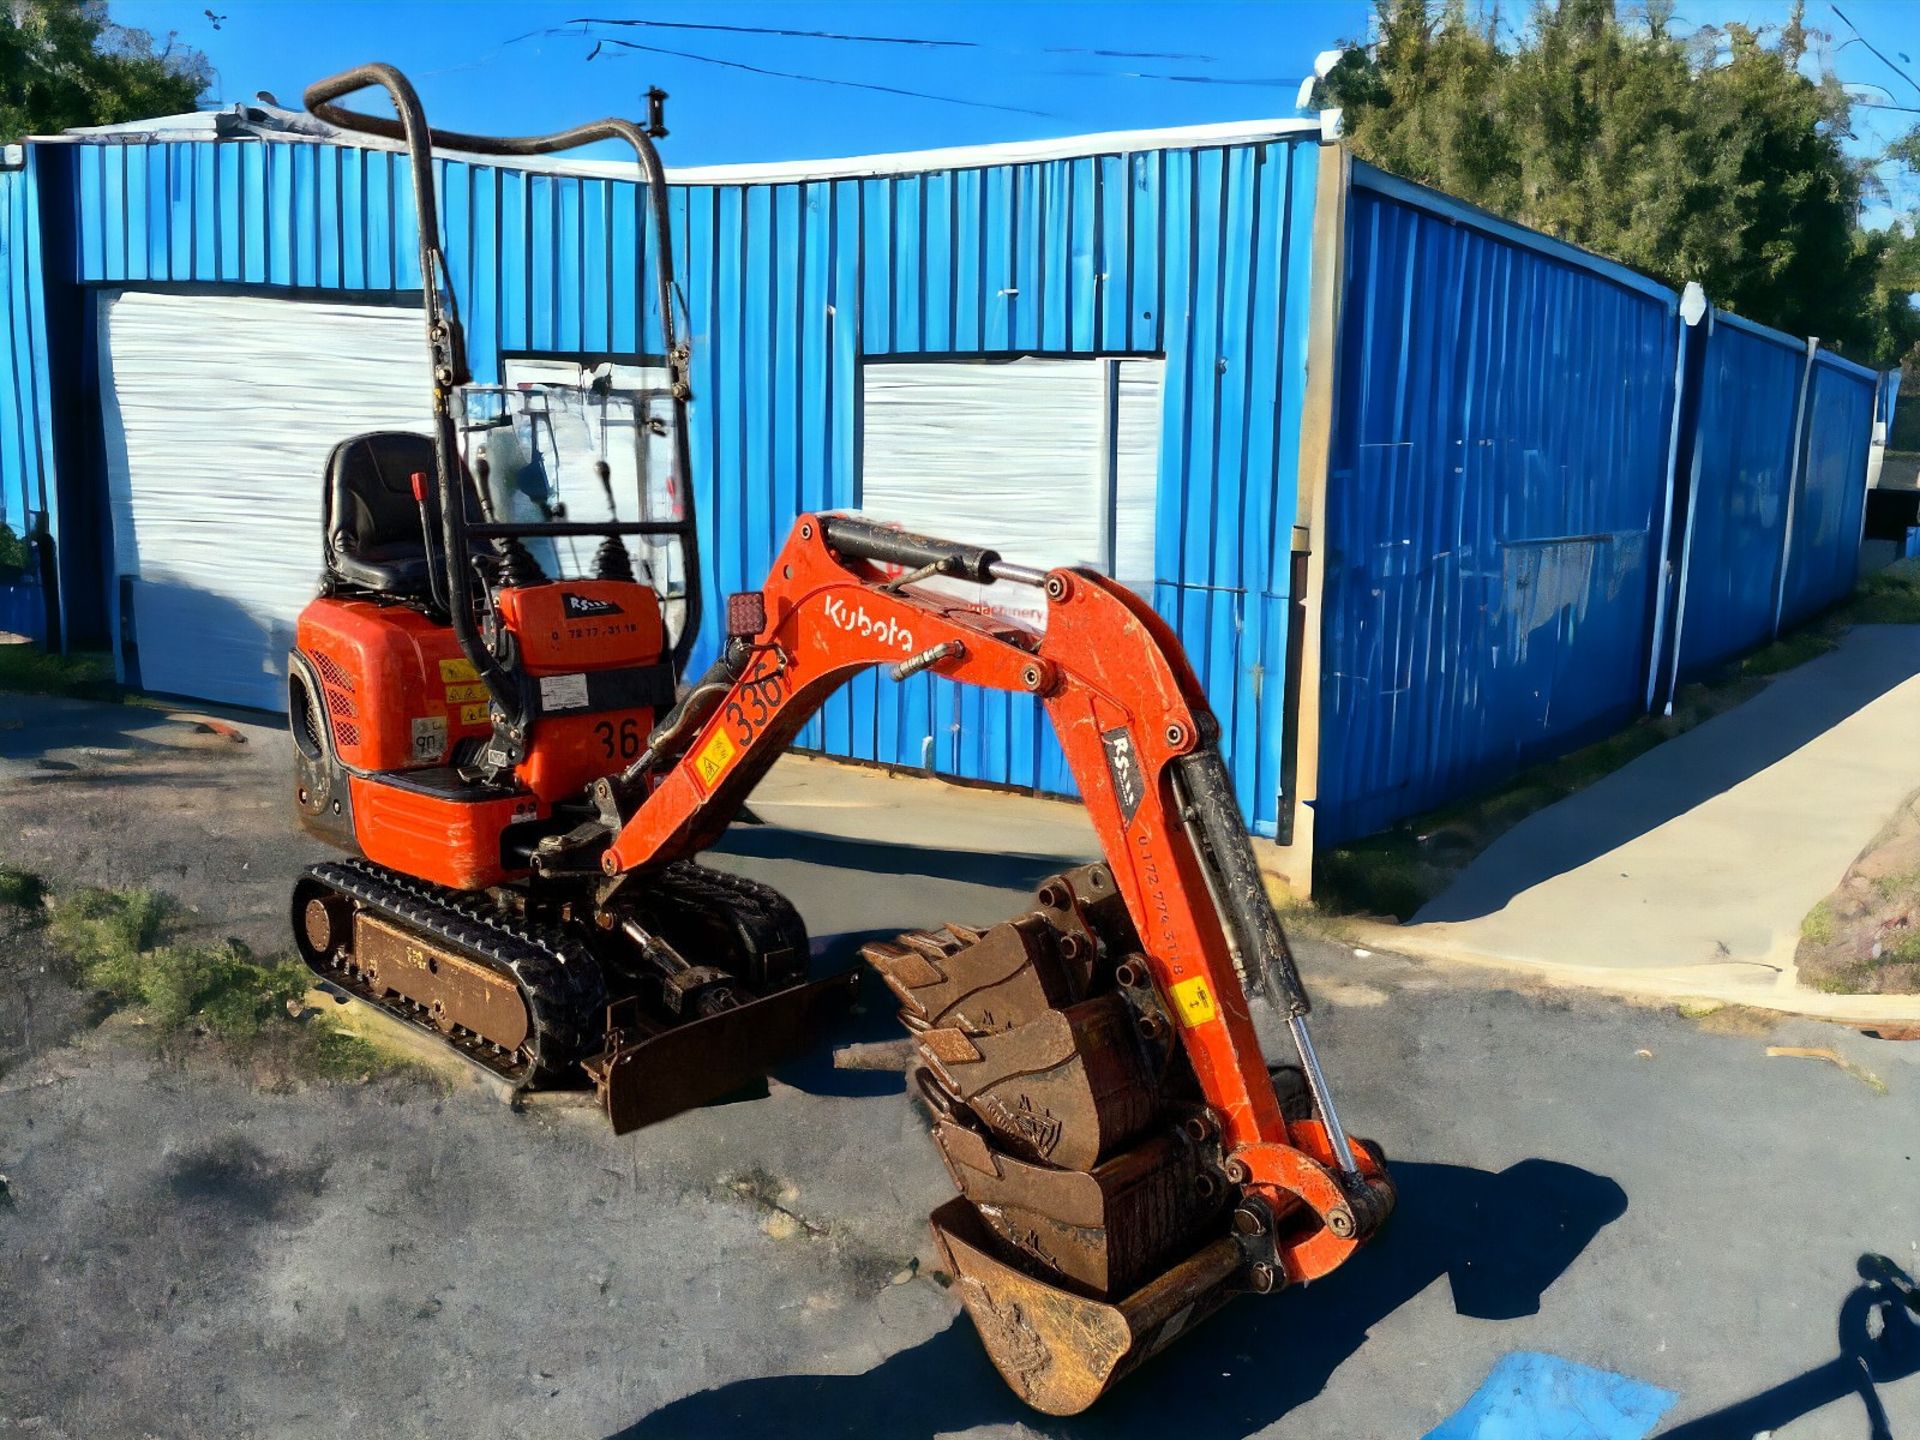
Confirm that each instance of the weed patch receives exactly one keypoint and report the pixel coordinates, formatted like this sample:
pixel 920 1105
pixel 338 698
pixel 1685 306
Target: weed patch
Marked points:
pixel 86 675
pixel 121 944
pixel 1864 938
pixel 1886 597
pixel 1818 927
pixel 1790 651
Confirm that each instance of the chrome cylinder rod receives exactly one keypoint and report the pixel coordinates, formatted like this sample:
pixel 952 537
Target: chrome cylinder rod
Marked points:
pixel 1323 1099
pixel 1017 574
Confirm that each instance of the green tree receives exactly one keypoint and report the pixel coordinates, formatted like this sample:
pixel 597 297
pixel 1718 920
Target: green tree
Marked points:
pixel 65 63
pixel 1712 158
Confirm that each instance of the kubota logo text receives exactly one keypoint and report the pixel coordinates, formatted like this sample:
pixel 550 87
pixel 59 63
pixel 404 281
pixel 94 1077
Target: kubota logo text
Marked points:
pixel 865 626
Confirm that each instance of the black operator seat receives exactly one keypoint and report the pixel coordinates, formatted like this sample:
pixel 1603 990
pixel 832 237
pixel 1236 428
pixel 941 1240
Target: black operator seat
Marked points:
pixel 372 522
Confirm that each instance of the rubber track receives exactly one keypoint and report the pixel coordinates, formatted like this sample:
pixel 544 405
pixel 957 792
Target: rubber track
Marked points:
pixel 775 924
pixel 557 977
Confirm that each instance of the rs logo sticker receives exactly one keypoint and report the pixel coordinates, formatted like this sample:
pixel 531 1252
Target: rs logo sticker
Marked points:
pixel 1123 765
pixel 714 758
pixel 1193 1001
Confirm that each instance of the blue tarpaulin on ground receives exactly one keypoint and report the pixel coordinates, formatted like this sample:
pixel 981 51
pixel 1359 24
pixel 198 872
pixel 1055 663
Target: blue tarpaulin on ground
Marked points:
pixel 1531 1396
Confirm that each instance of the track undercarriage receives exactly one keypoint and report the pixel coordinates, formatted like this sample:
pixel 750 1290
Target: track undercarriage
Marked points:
pixel 540 999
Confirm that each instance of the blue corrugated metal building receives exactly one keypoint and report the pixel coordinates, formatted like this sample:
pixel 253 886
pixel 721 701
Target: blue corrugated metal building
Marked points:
pixel 1505 457
pixel 26 397
pixel 1495 508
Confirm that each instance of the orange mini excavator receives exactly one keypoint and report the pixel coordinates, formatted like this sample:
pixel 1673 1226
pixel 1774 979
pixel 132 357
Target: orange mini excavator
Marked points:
pixel 493 725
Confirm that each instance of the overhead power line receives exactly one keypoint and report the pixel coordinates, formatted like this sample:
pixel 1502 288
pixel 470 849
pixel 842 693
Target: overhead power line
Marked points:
pixel 1874 48
pixel 605 40
pixel 925 42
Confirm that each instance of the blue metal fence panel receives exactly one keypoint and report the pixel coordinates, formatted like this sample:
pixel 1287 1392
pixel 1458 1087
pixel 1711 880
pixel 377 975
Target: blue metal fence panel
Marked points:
pixel 1198 254
pixel 1029 258
pixel 23 609
pixel 26 417
pixel 1742 475
pixel 1823 561
pixel 1502 424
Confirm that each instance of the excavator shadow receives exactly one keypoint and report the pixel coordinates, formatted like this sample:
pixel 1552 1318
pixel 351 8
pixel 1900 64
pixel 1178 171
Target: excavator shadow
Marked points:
pixel 894 860
pixel 873 1018
pixel 1500 1239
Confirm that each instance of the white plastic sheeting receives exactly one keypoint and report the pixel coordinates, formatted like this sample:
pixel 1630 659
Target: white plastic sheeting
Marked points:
pixel 219 411
pixel 1049 461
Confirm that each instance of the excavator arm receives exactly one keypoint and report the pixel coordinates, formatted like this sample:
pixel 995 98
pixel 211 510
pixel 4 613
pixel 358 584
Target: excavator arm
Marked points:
pixel 845 594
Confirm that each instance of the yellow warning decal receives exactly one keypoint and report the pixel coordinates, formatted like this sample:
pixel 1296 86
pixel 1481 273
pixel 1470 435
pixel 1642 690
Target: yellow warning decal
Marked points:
pixel 1194 1001
pixel 456 672
pixel 465 694
pixel 714 758
pixel 473 714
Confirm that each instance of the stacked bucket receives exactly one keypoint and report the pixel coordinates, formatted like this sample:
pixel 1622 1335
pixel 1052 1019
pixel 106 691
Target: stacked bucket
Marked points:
pixel 1091 1225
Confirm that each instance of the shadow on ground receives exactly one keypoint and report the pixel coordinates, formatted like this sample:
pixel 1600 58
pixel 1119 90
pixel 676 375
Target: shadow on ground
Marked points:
pixel 1879 1343
pixel 1501 1240
pixel 874 1017
pixel 1685 772
pixel 889 861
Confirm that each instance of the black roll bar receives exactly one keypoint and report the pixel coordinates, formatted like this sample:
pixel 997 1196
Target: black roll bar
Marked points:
pixel 447 343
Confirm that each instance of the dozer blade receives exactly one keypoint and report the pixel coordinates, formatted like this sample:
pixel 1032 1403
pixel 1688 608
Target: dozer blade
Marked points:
pixel 1061 1351
pixel 644 1078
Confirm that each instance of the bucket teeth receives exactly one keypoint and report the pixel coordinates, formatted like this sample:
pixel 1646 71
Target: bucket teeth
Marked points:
pixel 972 981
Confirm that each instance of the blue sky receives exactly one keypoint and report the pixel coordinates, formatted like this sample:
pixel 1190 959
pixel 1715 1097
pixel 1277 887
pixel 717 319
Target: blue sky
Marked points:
pixel 1014 70
pixel 1007 70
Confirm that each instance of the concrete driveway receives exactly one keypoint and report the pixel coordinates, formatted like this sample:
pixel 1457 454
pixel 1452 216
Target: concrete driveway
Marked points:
pixel 1603 1205
pixel 1689 870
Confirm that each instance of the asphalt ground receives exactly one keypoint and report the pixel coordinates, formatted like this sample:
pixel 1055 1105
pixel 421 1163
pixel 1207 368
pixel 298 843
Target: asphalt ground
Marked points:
pixel 1609 1201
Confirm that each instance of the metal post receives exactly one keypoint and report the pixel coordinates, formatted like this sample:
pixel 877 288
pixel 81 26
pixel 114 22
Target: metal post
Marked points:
pixel 1686 545
pixel 1793 486
pixel 1690 312
pixel 1107 482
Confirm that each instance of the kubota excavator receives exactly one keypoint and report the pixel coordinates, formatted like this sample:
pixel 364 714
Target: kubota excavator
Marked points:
pixel 494 725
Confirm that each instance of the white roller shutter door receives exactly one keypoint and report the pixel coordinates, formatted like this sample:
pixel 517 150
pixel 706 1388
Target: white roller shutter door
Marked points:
pixel 1050 461
pixel 219 412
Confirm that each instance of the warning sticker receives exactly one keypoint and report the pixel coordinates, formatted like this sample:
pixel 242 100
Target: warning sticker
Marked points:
pixel 563 692
pixel 429 738
pixel 457 672
pixel 1193 1000
pixel 714 757
pixel 465 694
pixel 473 714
